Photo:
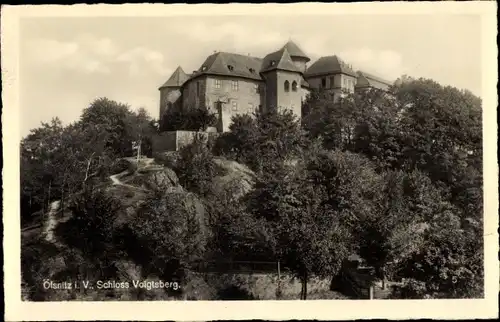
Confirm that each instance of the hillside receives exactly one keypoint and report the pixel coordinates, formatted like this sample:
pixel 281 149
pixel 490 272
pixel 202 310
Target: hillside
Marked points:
pixel 400 186
pixel 48 244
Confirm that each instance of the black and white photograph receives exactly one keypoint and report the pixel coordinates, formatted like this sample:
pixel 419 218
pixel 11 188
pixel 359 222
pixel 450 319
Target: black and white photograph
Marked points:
pixel 252 155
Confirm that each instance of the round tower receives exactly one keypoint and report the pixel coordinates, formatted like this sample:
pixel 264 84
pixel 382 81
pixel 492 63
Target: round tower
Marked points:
pixel 170 91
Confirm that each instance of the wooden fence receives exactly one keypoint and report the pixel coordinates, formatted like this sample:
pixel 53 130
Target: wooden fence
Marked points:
pixel 238 267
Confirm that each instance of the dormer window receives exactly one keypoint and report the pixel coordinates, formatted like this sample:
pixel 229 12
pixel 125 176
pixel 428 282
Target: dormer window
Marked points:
pixel 273 62
pixel 251 70
pixel 203 68
pixel 230 67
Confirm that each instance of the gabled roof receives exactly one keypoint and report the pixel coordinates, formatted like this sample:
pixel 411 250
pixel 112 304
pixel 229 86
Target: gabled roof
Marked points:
pixel 369 80
pixel 229 64
pixel 329 65
pixel 278 60
pixel 177 79
pixel 295 50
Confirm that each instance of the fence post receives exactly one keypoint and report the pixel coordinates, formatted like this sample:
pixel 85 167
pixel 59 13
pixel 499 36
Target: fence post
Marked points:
pixel 371 292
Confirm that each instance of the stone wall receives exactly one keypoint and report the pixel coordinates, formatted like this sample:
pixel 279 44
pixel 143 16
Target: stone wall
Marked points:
pixel 165 141
pixel 175 140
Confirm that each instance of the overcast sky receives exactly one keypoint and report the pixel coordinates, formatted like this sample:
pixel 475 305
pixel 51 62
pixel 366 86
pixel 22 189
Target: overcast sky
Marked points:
pixel 65 63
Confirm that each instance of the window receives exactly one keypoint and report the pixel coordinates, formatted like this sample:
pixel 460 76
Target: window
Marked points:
pixel 251 70
pixel 287 86
pixel 197 88
pixel 230 67
pixel 294 86
pixel 203 68
pixel 250 108
pixel 273 62
pixel 256 87
pixel 234 85
pixel 234 105
pixel 218 83
pixel 332 82
pixel 292 107
pixel 323 82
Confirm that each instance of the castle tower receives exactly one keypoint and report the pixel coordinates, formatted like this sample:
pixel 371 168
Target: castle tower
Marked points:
pixel 283 82
pixel 298 57
pixel 170 92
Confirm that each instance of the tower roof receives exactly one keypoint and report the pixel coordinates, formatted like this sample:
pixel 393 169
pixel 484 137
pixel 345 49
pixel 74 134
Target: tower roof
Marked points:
pixel 178 78
pixel 295 50
pixel 329 65
pixel 279 60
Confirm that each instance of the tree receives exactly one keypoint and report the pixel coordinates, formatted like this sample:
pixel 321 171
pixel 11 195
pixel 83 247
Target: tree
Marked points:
pixel 265 141
pixel 240 142
pixel 171 229
pixel 196 167
pixel 91 228
pixel 310 238
pixel 189 119
pixel 40 151
pixel 449 263
pixel 236 233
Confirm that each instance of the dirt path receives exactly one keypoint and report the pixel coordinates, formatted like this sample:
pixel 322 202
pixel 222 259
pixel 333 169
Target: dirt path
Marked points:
pixel 117 182
pixel 115 178
pixel 51 222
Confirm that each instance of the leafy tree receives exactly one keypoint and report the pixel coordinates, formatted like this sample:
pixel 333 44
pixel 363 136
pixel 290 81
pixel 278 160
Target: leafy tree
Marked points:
pixel 310 238
pixel 236 233
pixel 110 118
pixel 38 170
pixel 190 119
pixel 196 167
pixel 265 141
pixel 171 229
pixel 240 142
pixel 449 264
pixel 91 228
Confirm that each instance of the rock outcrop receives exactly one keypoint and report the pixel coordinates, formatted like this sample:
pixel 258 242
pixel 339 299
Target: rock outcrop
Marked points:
pixel 237 178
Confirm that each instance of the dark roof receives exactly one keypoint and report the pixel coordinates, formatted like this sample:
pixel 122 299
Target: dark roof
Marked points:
pixel 304 83
pixel 295 50
pixel 278 60
pixel 229 64
pixel 329 65
pixel 177 79
pixel 369 80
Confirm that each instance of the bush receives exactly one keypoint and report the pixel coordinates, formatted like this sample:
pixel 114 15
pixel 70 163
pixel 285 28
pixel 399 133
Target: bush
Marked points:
pixel 91 229
pixel 196 167
pixel 191 119
pixel 167 159
pixel 120 165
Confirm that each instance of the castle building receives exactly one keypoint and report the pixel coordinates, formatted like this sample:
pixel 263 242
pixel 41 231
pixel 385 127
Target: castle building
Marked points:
pixel 228 84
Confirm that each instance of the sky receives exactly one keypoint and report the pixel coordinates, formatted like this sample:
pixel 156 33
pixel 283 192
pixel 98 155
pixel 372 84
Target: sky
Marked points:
pixel 67 62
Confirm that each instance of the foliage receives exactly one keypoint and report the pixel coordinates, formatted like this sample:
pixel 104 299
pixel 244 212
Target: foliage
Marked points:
pixel 264 141
pixel 393 176
pixel 170 228
pixel 57 160
pixel 310 238
pixel 238 144
pixel 196 167
pixel 91 228
pixel 190 119
pixel 236 234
